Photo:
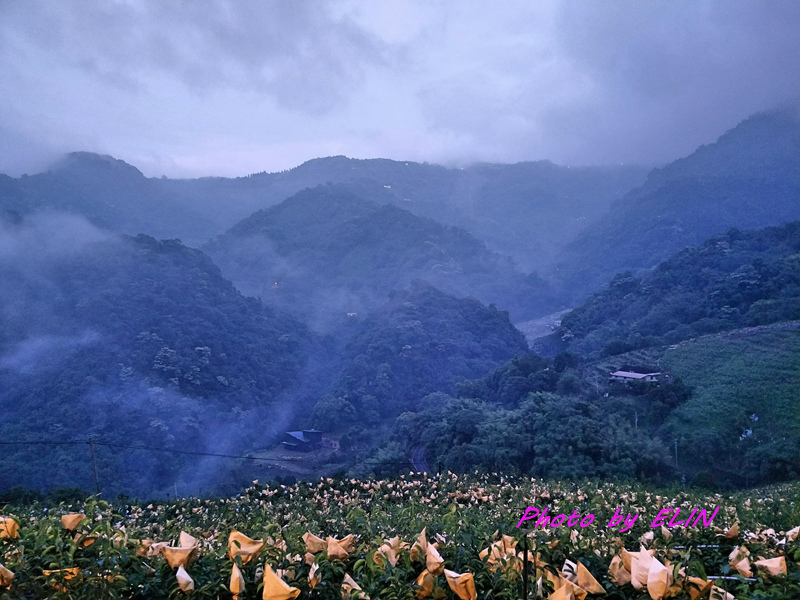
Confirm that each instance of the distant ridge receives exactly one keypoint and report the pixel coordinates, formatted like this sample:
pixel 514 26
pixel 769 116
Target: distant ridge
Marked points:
pixel 517 209
pixel 737 279
pixel 326 252
pixel 749 178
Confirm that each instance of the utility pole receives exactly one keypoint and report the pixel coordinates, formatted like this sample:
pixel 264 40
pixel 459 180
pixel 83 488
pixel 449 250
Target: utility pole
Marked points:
pixel 94 468
pixel 636 420
pixel 676 453
pixel 525 566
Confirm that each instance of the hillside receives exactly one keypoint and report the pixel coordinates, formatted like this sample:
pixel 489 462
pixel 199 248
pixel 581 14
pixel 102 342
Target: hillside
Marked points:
pixel 732 280
pixel 738 425
pixel 716 319
pixel 110 194
pixel 133 340
pixel 326 252
pixel 142 343
pixel 421 341
pixel 749 178
pixel 727 403
pixel 742 415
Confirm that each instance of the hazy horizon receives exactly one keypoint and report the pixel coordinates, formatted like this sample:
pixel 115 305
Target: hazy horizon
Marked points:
pixel 229 89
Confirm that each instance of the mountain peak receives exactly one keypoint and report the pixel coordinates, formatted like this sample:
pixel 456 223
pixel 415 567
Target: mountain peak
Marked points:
pixel 90 162
pixel 761 143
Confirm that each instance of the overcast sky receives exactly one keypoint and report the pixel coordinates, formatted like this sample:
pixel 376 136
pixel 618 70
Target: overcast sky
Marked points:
pixel 209 87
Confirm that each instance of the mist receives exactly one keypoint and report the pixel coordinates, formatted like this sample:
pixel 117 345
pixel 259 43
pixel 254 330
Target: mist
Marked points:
pixel 190 262
pixel 68 376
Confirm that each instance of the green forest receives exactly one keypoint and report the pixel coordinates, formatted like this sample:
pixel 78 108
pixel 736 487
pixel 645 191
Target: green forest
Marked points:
pixel 379 304
pixel 739 279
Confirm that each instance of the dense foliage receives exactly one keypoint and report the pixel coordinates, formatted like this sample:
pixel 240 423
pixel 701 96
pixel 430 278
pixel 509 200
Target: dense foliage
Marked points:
pixel 539 417
pixel 462 515
pixel 133 340
pixel 717 417
pixel 732 280
pixel 420 342
pixel 546 435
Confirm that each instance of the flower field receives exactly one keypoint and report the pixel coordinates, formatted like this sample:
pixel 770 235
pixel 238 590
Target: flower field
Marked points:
pixel 414 537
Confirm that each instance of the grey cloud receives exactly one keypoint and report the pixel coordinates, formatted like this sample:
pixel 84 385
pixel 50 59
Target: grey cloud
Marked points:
pixel 295 51
pixel 30 254
pixel 670 76
pixel 222 87
pixel 624 81
pixel 44 236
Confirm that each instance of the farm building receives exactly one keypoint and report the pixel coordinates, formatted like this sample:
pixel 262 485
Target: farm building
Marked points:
pixel 302 441
pixel 631 376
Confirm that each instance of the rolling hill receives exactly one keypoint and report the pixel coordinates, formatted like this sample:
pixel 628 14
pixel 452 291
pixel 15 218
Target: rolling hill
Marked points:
pixel 739 424
pixel 326 252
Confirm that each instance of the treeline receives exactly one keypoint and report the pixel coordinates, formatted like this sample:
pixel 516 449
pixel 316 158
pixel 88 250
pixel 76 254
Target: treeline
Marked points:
pixel 538 416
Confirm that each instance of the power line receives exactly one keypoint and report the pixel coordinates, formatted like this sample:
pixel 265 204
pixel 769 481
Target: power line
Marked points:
pixel 131 447
pixel 175 451
pixel 41 443
pixel 152 449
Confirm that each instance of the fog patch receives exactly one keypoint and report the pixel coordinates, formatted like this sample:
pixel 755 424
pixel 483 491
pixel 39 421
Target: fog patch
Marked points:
pixel 37 353
pixel 47 235
pixel 163 440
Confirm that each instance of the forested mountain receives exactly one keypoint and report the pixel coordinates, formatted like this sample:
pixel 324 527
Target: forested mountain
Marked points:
pixel 146 342
pixel 720 321
pixel 326 252
pixel 526 210
pixel 420 341
pixel 733 280
pixel 110 194
pixel 131 340
pixel 139 342
pixel 749 178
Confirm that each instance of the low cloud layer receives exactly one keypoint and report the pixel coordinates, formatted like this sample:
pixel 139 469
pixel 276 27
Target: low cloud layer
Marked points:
pixel 199 88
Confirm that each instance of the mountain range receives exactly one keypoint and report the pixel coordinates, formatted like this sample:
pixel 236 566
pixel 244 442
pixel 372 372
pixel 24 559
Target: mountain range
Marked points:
pixel 376 299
